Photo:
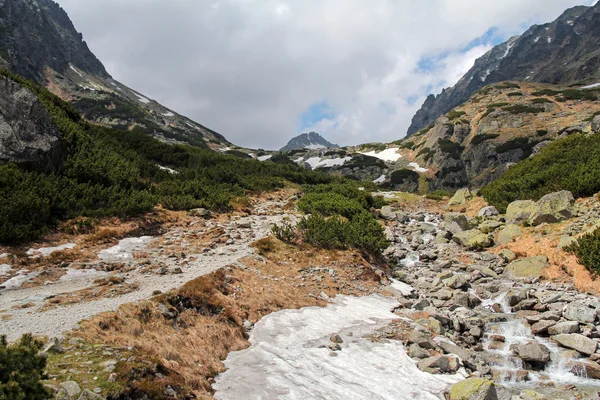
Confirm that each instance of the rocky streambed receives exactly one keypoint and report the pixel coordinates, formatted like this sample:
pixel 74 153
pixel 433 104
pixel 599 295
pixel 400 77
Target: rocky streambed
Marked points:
pixel 489 313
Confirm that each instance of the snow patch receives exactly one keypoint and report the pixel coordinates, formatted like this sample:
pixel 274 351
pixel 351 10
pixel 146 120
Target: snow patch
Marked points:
pixel 486 74
pixel 386 155
pixel 142 99
pixel 416 167
pixel 74 274
pixel 124 250
pixel 46 251
pixel 570 23
pixel 223 149
pixel 318 162
pixel 595 85
pixel 168 114
pixel 537 39
pixel 77 72
pixel 169 170
pixel 265 158
pixel 549 39
pixel 402 287
pixel 5 269
pixel 17 281
pixel 381 179
pixel 287 359
pixel 508 47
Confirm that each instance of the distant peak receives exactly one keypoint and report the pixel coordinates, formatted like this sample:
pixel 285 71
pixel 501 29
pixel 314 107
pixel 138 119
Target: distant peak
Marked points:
pixel 311 140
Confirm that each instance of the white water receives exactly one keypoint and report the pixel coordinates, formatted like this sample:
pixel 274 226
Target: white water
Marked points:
pixel 287 359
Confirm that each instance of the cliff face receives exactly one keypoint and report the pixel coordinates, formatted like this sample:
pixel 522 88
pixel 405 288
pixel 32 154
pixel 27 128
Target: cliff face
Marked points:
pixel 565 52
pixel 38 41
pixel 27 134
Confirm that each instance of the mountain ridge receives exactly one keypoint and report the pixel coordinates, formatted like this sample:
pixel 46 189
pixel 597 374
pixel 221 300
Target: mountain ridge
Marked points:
pixel 311 140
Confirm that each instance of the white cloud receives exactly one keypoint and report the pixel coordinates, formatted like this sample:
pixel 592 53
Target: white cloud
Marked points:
pixel 249 68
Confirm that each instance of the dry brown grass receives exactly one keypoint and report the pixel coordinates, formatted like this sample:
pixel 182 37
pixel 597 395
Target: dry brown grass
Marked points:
pixel 211 309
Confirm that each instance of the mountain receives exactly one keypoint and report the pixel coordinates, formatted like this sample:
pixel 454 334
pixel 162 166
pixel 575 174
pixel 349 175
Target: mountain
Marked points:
pixel 563 52
pixel 310 140
pixel 39 42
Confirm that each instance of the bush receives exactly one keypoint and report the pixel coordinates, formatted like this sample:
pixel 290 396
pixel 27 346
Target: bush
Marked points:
pixel 483 137
pixel 587 250
pixel 454 114
pixel 403 175
pixel 541 100
pixel 451 148
pixel 438 195
pixel 509 85
pixel 576 94
pixel 22 369
pixel 523 109
pixel 514 94
pixel 328 204
pixel 571 163
pixel 546 92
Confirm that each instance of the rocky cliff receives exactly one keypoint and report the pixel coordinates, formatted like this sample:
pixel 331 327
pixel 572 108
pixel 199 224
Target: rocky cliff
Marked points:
pixel 38 41
pixel 565 52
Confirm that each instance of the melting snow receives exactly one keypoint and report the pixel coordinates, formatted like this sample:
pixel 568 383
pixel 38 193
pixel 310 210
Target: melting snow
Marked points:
pixel 314 146
pixel 73 274
pixel 508 47
pixel 287 359
pixel 318 162
pixel 223 149
pixel 124 250
pixel 169 170
pixel 485 75
pixel 595 85
pixel 402 287
pixel 385 155
pixel 570 23
pixel 381 179
pixel 416 167
pixel 5 269
pixel 537 39
pixel 46 251
pixel 549 39
pixel 265 158
pixel 77 72
pixel 168 114
pixel 18 280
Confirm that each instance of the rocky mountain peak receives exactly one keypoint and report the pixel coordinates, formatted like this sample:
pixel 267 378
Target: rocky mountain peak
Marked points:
pixel 311 140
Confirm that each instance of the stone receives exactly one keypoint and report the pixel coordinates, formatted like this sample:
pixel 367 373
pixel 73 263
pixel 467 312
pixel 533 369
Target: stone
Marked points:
pixel 456 222
pixel 577 342
pixel 61 394
pixel 509 232
pixel 473 239
pixel 596 124
pixel 421 304
pixel 506 375
pixel 451 348
pixel 489 211
pixel 460 197
pixel 580 312
pixel 200 212
pixel 388 213
pixel 473 389
pixel 336 339
pixel 565 241
pixel 88 395
pixel 489 226
pixel 457 281
pixel 53 346
pixel 507 255
pixel 530 267
pixel 71 387
pixel 530 395
pixel 564 327
pixel 416 351
pixel 553 207
pixel 423 339
pixel 444 294
pixel 587 368
pixel 434 364
pixel 542 326
pixel 533 352
pixel 520 211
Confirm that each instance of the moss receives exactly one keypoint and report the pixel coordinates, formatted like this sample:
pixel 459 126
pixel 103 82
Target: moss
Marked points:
pixel 471 388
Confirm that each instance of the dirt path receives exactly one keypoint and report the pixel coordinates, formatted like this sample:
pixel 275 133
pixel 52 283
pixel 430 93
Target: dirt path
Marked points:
pixel 165 250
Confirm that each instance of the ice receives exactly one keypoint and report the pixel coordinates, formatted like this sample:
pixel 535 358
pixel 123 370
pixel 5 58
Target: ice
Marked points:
pixel 169 170
pixel 381 179
pixel 416 167
pixel 287 359
pixel 265 158
pixel 124 250
pixel 386 155
pixel 16 281
pixel 5 269
pixel 46 251
pixel 77 72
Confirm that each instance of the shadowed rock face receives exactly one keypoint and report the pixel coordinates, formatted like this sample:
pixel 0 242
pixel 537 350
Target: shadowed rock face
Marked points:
pixel 27 134
pixel 566 51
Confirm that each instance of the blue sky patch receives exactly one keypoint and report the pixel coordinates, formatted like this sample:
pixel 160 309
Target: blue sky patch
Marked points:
pixel 316 113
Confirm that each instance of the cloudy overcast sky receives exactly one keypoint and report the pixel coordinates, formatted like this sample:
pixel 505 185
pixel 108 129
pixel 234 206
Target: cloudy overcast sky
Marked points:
pixel 263 71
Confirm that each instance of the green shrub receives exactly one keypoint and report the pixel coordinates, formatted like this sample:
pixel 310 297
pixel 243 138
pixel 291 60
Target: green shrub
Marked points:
pixel 22 369
pixel 522 109
pixel 483 137
pixel 407 145
pixel 522 143
pixel 571 163
pixel 451 148
pixel 438 195
pixel 237 153
pixel 587 250
pixel 514 94
pixel 424 130
pixel 402 176
pixel 541 100
pixel 328 204
pixel 541 132
pixel 576 94
pixel 286 232
pixel 454 114
pixel 546 92
pixel 509 85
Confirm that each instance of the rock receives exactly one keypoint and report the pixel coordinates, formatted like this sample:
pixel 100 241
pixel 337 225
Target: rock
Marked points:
pixel 473 389
pixel 542 326
pixel 489 226
pixel 473 239
pixel 596 124
pixel 520 211
pixel 580 312
pixel 416 351
pixel 533 352
pixel 509 232
pixel 489 211
pixel 421 304
pixel 388 213
pixel 53 346
pixel 457 281
pixel 565 241
pixel 88 395
pixel 564 327
pixel 507 255
pixel 336 339
pixel 451 348
pixel 553 207
pixel 200 212
pixel 577 342
pixel 506 375
pixel 456 222
pixel 72 388
pixel 28 135
pixel 61 394
pixel 587 368
pixel 434 364
pixel 460 197
pixel 530 267
pixel 530 395
pixel 443 237
pixel 423 339
pixel 444 294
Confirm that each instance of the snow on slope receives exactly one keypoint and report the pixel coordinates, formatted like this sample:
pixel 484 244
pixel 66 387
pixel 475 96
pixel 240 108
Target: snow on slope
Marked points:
pixel 390 155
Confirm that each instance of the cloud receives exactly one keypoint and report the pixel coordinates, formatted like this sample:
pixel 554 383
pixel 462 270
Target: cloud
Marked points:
pixel 250 69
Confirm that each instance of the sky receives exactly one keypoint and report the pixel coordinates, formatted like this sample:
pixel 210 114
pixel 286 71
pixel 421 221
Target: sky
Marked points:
pixel 262 71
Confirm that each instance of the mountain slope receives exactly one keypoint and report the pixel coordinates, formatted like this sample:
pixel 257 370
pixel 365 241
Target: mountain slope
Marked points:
pixel 310 140
pixel 565 52
pixel 38 41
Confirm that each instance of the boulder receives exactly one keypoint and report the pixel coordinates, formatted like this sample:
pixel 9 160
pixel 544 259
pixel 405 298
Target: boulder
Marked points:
pixel 542 326
pixel 587 368
pixel 580 312
pixel 509 232
pixel 423 339
pixel 489 211
pixel 564 328
pixel 456 222
pixel 200 212
pixel 533 352
pixel 460 197
pixel 474 389
pixel 596 124
pixel 388 213
pixel 520 211
pixel 530 267
pixel 577 342
pixel 489 226
pixel 416 351
pixel 434 364
pixel 473 238
pixel 89 395
pixel 553 207
pixel 72 388
pixel 507 255
pixel 565 241
pixel 53 346
pixel 457 281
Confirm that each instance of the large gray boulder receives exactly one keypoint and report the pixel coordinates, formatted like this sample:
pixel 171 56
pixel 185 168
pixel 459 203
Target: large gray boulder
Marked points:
pixel 473 389
pixel 580 312
pixel 456 222
pixel 460 197
pixel 596 124
pixel 520 211
pixel 533 352
pixel 525 268
pixel 472 239
pixel 489 211
pixel 577 342
pixel 564 327
pixel 509 232
pixel 552 208
pixel 27 134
